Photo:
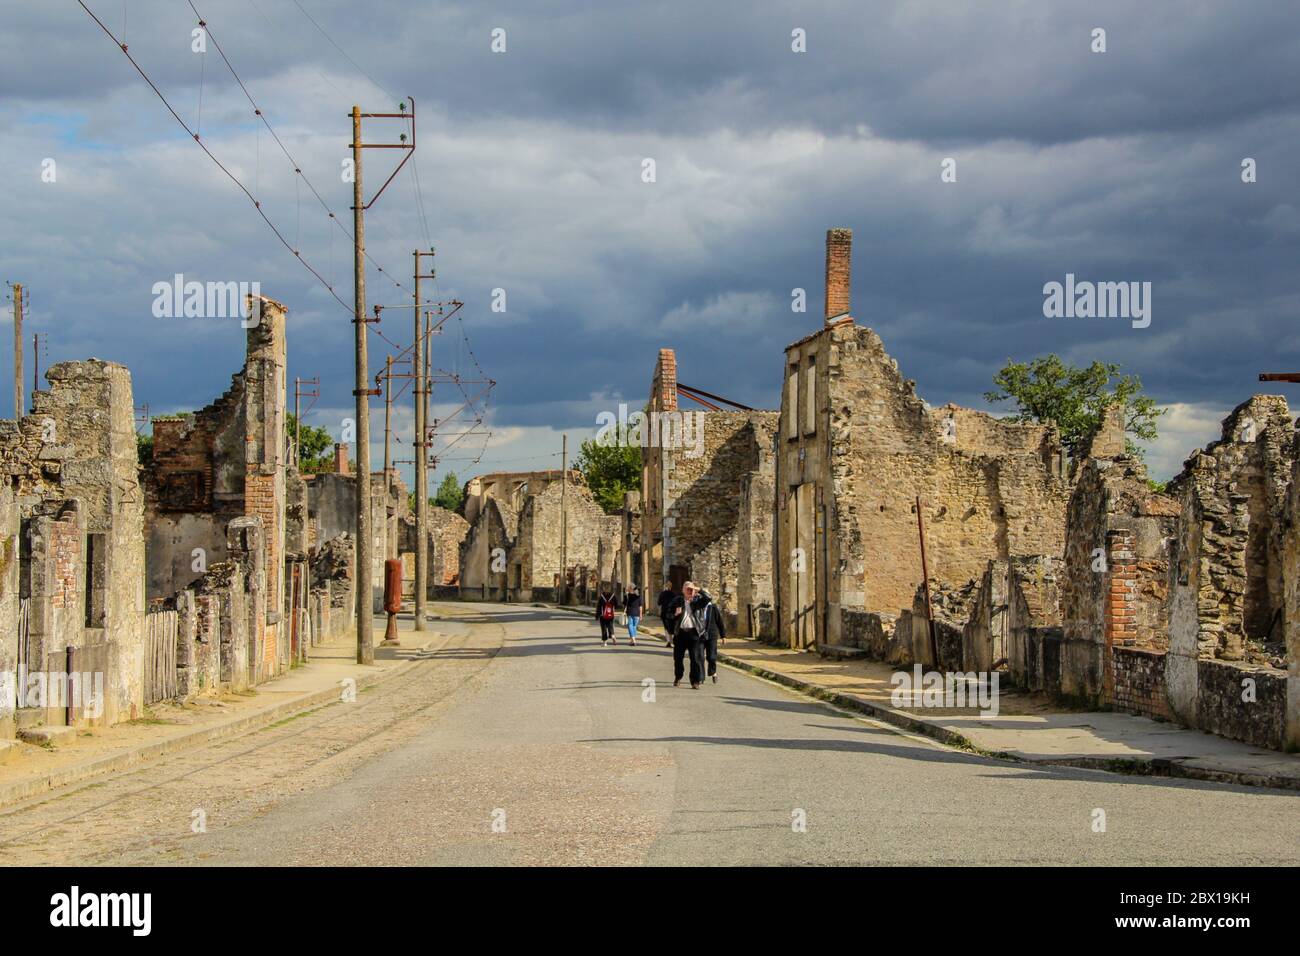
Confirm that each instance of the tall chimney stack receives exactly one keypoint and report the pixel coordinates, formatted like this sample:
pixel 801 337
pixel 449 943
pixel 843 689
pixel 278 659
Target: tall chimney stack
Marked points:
pixel 839 253
pixel 340 459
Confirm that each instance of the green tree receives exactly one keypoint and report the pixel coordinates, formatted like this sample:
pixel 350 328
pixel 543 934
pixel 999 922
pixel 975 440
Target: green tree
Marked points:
pixel 611 469
pixel 315 453
pixel 1047 389
pixel 449 494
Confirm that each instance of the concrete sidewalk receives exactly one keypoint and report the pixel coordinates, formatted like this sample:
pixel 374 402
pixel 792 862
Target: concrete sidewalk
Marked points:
pixel 1028 727
pixel 27 770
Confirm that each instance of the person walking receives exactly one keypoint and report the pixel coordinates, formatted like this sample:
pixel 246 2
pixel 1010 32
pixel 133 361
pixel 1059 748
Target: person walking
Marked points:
pixel 711 631
pixel 606 605
pixel 686 636
pixel 632 608
pixel 666 598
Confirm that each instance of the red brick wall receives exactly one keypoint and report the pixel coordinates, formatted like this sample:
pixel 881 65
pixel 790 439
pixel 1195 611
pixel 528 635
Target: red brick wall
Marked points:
pixel 1121 604
pixel 259 502
pixel 65 554
pixel 181 477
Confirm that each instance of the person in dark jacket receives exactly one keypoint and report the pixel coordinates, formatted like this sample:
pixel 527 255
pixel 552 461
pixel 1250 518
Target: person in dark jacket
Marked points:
pixel 711 632
pixel 666 598
pixel 632 606
pixel 688 627
pixel 606 607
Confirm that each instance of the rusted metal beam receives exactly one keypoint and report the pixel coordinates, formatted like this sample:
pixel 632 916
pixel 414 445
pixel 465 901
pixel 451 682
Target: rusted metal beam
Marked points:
pixel 717 398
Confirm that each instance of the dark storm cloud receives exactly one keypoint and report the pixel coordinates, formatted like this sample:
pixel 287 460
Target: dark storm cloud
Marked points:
pixel 1116 166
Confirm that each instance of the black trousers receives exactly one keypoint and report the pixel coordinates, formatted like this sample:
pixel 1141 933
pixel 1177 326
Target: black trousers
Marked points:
pixel 687 643
pixel 606 630
pixel 709 653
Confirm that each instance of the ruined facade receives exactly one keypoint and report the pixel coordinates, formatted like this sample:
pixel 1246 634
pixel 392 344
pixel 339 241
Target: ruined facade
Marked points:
pixel 1228 615
pixel 704 479
pixel 534 561
pixel 857 448
pixel 332 511
pixel 223 463
pixel 509 487
pixel 72 554
pixel 488 540
pixel 446 530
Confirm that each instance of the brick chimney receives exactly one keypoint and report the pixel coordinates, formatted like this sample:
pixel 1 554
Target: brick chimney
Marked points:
pixel 663 390
pixel 341 459
pixel 839 253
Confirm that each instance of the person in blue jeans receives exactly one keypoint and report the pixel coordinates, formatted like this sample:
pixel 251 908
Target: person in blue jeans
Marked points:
pixel 632 607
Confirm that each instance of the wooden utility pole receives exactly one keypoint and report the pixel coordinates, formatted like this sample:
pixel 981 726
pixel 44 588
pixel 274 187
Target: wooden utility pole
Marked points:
pixel 925 582
pixel 564 517
pixel 388 417
pixel 20 407
pixel 36 362
pixel 365 543
pixel 419 366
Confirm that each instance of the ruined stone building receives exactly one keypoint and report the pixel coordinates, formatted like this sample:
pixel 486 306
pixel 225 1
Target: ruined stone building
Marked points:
pixel 510 554
pixel 510 487
pixel 216 491
pixel 446 530
pixel 705 500
pixel 857 448
pixel 534 569
pixel 1232 568
pixel 488 540
pixel 332 511
pixel 72 607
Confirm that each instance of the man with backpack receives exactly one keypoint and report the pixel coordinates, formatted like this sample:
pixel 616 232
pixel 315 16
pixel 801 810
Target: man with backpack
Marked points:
pixel 606 605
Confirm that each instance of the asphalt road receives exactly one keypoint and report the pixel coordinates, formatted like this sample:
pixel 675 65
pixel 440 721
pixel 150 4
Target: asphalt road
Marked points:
pixel 523 741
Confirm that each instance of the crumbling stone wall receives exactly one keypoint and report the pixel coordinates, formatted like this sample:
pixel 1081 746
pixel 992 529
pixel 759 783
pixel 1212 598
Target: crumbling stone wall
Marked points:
pixel 697 519
pixel 1228 589
pixel 1033 621
pixel 495 527
pixel 510 487
pixel 1115 590
pixel 222 462
pixel 332 511
pixel 332 604
pixel 75 536
pixel 447 530
pixel 535 554
pixel 10 603
pixel 703 491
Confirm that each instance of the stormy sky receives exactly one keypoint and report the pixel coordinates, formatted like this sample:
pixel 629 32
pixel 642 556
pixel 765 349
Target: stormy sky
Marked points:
pixel 1123 165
